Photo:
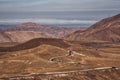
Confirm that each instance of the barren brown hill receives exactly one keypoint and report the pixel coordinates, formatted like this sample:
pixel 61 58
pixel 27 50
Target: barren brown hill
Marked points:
pixel 4 37
pixel 27 31
pixel 21 36
pixel 105 30
pixel 52 57
pixel 35 43
pixel 42 55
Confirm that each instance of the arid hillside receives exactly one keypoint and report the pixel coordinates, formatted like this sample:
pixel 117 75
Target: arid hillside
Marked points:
pixel 91 54
pixel 41 55
pixel 21 36
pixel 35 43
pixel 105 73
pixel 28 31
pixel 105 30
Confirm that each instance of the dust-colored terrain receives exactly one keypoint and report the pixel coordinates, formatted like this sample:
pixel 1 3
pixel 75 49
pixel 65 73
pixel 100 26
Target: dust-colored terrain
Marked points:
pixel 49 58
pixel 105 73
pixel 35 57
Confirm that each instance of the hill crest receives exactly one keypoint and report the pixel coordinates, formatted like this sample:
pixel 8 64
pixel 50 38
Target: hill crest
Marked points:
pixel 105 30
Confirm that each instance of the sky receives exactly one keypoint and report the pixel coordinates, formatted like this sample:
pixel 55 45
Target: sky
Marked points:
pixel 57 5
pixel 55 11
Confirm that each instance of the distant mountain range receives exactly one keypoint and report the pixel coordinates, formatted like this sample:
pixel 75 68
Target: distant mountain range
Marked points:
pixel 27 31
pixel 105 30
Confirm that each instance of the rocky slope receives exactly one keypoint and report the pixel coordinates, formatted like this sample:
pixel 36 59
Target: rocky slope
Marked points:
pixel 27 31
pixel 105 30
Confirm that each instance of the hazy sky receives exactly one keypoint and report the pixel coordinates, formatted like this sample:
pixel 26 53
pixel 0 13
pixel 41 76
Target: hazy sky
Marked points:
pixel 83 12
pixel 57 5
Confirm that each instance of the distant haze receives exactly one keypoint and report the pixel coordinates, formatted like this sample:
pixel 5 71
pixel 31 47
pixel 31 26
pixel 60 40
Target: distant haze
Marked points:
pixel 57 12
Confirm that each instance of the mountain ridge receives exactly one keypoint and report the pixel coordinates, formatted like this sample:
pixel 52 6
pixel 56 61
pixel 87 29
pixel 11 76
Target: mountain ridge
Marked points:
pixel 29 30
pixel 107 29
